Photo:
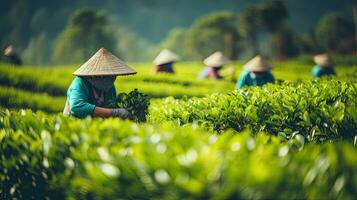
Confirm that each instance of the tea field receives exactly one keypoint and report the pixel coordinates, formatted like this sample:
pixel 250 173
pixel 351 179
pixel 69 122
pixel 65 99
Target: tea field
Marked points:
pixel 295 139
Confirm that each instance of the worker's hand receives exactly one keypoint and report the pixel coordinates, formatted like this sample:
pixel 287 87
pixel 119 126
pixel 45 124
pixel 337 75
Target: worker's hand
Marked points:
pixel 121 113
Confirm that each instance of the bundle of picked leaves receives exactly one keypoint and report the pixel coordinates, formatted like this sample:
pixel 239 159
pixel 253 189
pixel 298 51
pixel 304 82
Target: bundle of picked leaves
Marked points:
pixel 136 102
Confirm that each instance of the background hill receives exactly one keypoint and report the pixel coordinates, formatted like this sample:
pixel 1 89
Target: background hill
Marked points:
pixel 149 20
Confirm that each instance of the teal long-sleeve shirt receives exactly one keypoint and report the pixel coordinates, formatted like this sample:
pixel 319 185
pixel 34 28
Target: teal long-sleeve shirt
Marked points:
pixel 80 97
pixel 247 79
pixel 318 71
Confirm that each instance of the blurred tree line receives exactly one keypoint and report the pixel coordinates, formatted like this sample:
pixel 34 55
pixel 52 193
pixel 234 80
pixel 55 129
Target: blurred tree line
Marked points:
pixel 262 29
pixel 257 28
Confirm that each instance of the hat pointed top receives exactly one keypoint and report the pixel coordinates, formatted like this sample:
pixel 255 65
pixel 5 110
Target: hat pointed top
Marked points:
pixel 323 60
pixel 217 59
pixel 166 56
pixel 9 51
pixel 104 63
pixel 258 64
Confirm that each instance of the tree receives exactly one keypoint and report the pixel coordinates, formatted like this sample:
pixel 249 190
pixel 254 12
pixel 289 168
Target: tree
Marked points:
pixel 335 33
pixel 132 48
pixel 215 32
pixel 272 15
pixel 268 17
pixel 250 27
pixel 177 42
pixel 38 50
pixel 284 43
pixel 86 31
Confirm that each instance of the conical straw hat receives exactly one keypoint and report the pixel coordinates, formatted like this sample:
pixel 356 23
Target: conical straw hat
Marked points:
pixel 258 64
pixel 323 60
pixel 166 56
pixel 104 63
pixel 9 51
pixel 216 59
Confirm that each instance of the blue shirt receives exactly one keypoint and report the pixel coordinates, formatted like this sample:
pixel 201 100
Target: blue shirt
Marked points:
pixel 204 73
pixel 318 71
pixel 251 79
pixel 80 96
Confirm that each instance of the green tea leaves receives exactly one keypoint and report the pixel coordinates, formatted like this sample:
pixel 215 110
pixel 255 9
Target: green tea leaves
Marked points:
pixel 137 103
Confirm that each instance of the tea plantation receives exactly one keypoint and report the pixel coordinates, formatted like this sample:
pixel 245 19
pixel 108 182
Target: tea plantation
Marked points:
pixel 201 139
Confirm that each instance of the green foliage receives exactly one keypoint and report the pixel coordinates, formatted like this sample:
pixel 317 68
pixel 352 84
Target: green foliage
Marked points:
pixel 38 50
pixel 177 42
pixel 335 33
pixel 16 98
pixel 137 103
pixel 215 32
pixel 58 157
pixel 284 43
pixel 249 26
pixel 22 23
pixel 131 47
pixel 36 79
pixel 86 32
pixel 301 129
pixel 182 84
pixel 269 16
pixel 318 110
pixel 39 81
pixel 272 14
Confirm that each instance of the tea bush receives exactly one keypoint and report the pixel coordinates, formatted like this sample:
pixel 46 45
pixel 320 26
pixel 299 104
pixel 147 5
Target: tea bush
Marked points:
pixel 319 110
pixel 51 156
pixel 16 98
pixel 55 82
pixel 137 103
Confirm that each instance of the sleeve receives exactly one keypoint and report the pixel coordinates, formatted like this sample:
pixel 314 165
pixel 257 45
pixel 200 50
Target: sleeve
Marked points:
pixel 78 98
pixel 316 72
pixel 271 78
pixel 242 80
pixel 204 73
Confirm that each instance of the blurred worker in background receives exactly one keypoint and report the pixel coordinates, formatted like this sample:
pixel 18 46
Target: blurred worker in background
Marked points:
pixel 12 56
pixel 91 92
pixel 164 61
pixel 324 66
pixel 214 63
pixel 257 72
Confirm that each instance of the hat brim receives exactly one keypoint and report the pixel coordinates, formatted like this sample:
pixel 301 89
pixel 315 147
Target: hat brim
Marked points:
pixel 259 69
pixel 324 64
pixel 104 63
pixel 167 62
pixel 216 64
pixel 105 74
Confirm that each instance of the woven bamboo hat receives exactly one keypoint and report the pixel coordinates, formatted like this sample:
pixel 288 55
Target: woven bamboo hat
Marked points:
pixel 104 63
pixel 258 64
pixel 166 56
pixel 9 51
pixel 323 60
pixel 217 59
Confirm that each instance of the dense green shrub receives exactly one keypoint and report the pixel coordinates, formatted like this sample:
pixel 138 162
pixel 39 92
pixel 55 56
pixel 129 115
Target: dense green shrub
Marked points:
pixel 56 81
pixel 67 158
pixel 136 102
pixel 34 80
pixel 16 98
pixel 319 110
